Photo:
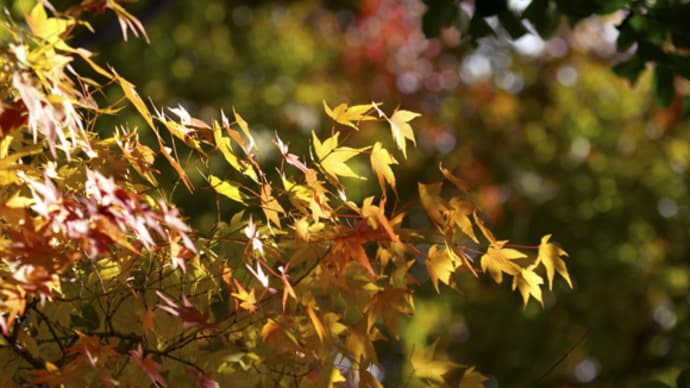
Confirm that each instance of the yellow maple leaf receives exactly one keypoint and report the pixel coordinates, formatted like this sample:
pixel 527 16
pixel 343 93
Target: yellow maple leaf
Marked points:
pixel 226 189
pixel 472 379
pixel 247 300
pixel 426 367
pixel 430 197
pixel 528 283
pixel 224 145
pixel 485 231
pixel 332 158
pixel 400 129
pixel 550 255
pixel 440 266
pixel 47 28
pixel 270 206
pixel 381 160
pixel 497 260
pixel 459 212
pixel 348 115
pixel 318 326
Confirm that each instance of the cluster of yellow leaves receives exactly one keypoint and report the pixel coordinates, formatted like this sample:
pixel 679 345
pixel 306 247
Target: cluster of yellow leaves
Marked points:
pixel 458 216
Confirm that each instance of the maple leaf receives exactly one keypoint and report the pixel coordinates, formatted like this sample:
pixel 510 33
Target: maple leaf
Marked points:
pixel 381 160
pixel 497 260
pixel 47 28
pixel 387 304
pixel 244 127
pixel 485 231
pixel 348 248
pixel 291 159
pixel 227 189
pixel 359 342
pixel 332 158
pixel 203 379
pixel 52 376
pixel 377 217
pixel 400 129
pixel 426 367
pixel 349 115
pixel 90 349
pixel 472 379
pixel 318 326
pixel 550 255
pixel 432 202
pixel 302 229
pixel 247 300
pixel 127 21
pixel 224 145
pixel 459 211
pixel 149 366
pixel 287 287
pixel 270 206
pixel 191 317
pixel 13 303
pixel 528 283
pixel 440 266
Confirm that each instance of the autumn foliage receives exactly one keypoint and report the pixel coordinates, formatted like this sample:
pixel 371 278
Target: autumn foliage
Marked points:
pixel 104 283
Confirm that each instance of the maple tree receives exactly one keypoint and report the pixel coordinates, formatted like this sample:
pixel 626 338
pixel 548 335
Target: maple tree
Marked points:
pixel 104 283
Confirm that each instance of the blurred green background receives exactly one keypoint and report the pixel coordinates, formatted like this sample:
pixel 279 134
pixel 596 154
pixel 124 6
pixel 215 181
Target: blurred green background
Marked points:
pixel 548 138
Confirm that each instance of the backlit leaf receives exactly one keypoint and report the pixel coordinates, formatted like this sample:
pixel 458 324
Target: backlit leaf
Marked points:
pixel 149 366
pixel 400 129
pixel 426 367
pixel 528 283
pixel 472 379
pixel 381 160
pixel 226 189
pixel 440 266
pixel 318 326
pixel 497 260
pixel 550 255
pixel 349 115
pixel 332 158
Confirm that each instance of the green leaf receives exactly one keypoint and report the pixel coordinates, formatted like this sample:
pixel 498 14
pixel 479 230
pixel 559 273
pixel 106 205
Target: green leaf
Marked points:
pixel 439 14
pixel 663 85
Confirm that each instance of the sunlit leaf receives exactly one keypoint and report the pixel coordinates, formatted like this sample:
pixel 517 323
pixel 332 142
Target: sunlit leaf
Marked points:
pixel 550 255
pixel 472 379
pixel 440 266
pixel 349 115
pixel 497 260
pixel 227 189
pixel 381 160
pixel 332 158
pixel 427 367
pixel 528 283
